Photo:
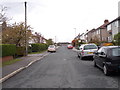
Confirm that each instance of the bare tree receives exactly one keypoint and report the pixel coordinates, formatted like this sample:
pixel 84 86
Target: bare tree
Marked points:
pixel 3 17
pixel 37 37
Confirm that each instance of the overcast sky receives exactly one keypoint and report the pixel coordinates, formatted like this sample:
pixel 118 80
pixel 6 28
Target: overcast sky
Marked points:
pixel 59 17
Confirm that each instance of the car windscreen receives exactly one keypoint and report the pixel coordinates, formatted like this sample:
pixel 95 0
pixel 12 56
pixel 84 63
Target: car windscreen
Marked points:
pixel 69 45
pixel 51 46
pixel 87 47
pixel 116 52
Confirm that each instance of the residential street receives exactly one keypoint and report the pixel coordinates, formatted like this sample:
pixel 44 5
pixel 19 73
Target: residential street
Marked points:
pixel 62 69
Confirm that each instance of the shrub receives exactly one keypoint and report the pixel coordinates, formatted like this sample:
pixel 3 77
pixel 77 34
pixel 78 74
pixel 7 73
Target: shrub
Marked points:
pixel 117 39
pixel 8 49
pixel 29 49
pixel 38 47
pixel 20 51
pixel 35 47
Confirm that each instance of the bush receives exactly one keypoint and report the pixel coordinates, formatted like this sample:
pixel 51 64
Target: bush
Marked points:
pixel 8 49
pixel 117 39
pixel 20 51
pixel 38 47
pixel 29 49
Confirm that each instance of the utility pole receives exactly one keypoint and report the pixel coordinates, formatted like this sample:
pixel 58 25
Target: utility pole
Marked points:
pixel 118 8
pixel 75 31
pixel 55 39
pixel 26 49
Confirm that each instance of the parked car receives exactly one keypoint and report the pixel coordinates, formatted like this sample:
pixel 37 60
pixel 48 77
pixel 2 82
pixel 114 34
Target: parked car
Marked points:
pixel 87 50
pixel 51 48
pixel 108 59
pixel 70 46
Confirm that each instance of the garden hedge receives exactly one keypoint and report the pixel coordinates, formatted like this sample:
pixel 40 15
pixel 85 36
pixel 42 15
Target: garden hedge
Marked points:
pixel 20 51
pixel 38 47
pixel 8 49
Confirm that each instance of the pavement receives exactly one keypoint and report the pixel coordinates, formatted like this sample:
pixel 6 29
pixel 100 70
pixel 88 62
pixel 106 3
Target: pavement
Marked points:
pixel 10 70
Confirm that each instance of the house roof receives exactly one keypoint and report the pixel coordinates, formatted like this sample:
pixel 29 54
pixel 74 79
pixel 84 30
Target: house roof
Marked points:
pixel 101 27
pixel 118 18
pixel 90 31
pixel 104 25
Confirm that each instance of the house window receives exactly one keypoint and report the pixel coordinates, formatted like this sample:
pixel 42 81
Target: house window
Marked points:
pixel 108 27
pixel 110 39
pixel 118 23
pixel 115 23
pixel 99 31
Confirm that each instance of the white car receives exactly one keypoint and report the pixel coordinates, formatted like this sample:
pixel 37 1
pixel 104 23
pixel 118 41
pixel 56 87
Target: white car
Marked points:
pixel 51 48
pixel 87 50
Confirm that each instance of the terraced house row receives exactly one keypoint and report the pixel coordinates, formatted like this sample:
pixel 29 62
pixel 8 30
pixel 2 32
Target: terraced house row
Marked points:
pixel 105 32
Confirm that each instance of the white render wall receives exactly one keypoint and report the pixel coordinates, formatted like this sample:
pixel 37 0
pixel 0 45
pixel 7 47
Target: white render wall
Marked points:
pixel 114 28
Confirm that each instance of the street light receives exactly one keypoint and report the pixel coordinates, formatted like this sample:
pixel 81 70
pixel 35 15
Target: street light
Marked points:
pixel 55 39
pixel 26 50
pixel 75 31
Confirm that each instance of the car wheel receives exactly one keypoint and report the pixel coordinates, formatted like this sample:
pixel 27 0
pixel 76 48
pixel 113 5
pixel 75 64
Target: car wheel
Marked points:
pixel 94 63
pixel 78 55
pixel 81 57
pixel 105 70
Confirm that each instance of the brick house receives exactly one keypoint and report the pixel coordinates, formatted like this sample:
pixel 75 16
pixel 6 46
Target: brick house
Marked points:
pixel 99 34
pixel 91 35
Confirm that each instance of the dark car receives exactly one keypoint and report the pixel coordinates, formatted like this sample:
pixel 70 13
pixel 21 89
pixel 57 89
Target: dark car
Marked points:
pixel 108 59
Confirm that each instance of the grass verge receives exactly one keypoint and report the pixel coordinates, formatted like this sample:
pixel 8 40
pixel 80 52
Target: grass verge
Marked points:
pixel 10 62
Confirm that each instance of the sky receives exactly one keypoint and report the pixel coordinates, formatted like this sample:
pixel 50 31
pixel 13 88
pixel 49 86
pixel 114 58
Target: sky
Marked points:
pixel 62 20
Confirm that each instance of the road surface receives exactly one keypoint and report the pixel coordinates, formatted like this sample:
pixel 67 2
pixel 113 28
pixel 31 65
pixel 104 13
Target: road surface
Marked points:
pixel 62 69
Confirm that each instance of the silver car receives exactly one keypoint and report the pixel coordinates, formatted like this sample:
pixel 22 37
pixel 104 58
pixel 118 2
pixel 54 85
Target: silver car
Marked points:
pixel 87 50
pixel 51 48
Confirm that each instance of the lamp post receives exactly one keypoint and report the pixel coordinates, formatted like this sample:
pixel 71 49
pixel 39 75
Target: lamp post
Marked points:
pixel 55 39
pixel 26 49
pixel 75 31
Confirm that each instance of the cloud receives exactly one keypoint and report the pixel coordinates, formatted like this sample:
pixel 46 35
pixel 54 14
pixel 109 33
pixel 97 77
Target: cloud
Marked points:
pixel 58 17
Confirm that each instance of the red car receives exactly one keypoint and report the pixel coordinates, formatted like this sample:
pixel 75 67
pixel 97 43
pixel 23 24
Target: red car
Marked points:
pixel 70 46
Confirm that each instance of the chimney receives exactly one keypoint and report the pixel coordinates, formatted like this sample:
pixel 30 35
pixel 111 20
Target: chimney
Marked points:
pixel 106 21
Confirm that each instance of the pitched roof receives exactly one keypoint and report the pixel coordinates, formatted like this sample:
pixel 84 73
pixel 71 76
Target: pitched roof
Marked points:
pixel 104 25
pixel 118 18
pixel 90 31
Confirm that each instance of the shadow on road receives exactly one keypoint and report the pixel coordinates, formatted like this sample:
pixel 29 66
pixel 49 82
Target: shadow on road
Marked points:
pixel 87 58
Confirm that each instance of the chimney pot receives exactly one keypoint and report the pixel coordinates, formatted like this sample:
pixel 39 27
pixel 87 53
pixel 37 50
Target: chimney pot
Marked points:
pixel 106 21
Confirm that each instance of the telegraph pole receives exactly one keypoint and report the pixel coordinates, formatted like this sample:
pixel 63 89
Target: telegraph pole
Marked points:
pixel 75 31
pixel 26 49
pixel 55 39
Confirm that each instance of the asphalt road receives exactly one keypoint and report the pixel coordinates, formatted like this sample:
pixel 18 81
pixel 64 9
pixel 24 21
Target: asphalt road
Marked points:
pixel 62 69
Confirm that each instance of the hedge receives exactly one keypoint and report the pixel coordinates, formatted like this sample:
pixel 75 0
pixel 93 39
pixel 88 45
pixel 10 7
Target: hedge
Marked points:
pixel 38 47
pixel 8 49
pixel 12 50
pixel 20 51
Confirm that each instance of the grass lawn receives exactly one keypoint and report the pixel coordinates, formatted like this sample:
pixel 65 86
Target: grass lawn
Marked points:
pixel 10 62
pixel 37 52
